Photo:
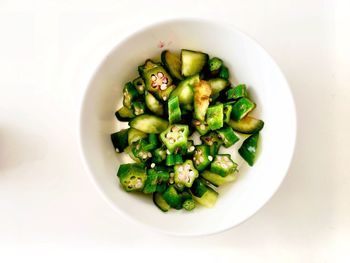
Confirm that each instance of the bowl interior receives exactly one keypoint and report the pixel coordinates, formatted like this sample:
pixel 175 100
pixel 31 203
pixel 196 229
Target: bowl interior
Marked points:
pixel 248 63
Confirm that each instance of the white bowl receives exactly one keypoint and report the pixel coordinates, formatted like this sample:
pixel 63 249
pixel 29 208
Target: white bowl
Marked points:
pixel 248 63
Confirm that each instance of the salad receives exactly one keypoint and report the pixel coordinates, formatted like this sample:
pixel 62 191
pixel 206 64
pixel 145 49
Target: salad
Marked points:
pixel 167 107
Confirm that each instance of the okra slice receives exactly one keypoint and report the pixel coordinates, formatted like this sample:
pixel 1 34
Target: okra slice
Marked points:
pixel 187 201
pixel 228 137
pixel 132 176
pixel 214 65
pixel 170 160
pixel 203 193
pixel 172 197
pixel 153 104
pixel 141 150
pixel 215 117
pixel 218 180
pixel 240 91
pixel 155 177
pixel 159 155
pixel 158 82
pixel 190 149
pixel 174 111
pixel 224 73
pixel 223 165
pixel 202 157
pixel 212 139
pixel 130 94
pixel 175 137
pixel 139 85
pixel 148 65
pixel 120 140
pixel 241 108
pixel 249 148
pixel 185 173
pixel 202 93
pixel 227 112
pixel 201 127
pixel 138 107
pixel 124 114
pixel 217 85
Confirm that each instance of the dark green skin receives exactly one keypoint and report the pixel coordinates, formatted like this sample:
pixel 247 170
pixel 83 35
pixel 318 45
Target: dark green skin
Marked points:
pixel 248 150
pixel 130 94
pixel 172 197
pixel 158 155
pixel 227 113
pixel 228 137
pixel 240 91
pixel 124 114
pixel 174 110
pixel 155 177
pixel 215 116
pixel 241 108
pixel 214 65
pixel 200 157
pixel 120 140
pixel 224 73
pixel 199 187
pixel 170 160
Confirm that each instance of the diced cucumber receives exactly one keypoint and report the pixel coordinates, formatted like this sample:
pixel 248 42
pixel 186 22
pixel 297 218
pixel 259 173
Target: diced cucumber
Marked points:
pixel 120 140
pixel 224 73
pixel 202 93
pixel 160 202
pixel 172 197
pixel 149 123
pixel 249 148
pixel 135 135
pixel 203 193
pixel 217 85
pixel 192 62
pixel 184 91
pixel 218 180
pixel 247 125
pixel 172 63
pixel 124 114
pixel 154 105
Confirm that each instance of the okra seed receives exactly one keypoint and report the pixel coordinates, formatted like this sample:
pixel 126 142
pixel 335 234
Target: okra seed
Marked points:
pixel 168 135
pixel 153 77
pixel 201 159
pixel 224 166
pixel 180 169
pixel 163 87
pixel 191 173
pixel 210 158
pixel 164 98
pixel 153 165
pixel 149 155
pixel 171 141
pixel 191 148
pixel 117 150
pixel 202 127
pixel 187 167
pixel 167 152
pixel 226 159
pixel 160 74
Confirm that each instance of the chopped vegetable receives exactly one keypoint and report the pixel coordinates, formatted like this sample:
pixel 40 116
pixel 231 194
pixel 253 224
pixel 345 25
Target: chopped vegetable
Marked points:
pixel 167 103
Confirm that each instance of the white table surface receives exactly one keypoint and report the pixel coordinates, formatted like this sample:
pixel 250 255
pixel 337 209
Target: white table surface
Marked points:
pixel 49 209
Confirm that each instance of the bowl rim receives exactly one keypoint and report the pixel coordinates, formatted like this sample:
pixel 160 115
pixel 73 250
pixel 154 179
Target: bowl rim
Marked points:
pixel 85 90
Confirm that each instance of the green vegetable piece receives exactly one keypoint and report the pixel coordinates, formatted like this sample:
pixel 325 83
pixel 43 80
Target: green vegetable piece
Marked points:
pixel 160 202
pixel 124 114
pixel 158 82
pixel 218 180
pixel 172 63
pixel 175 137
pixel 241 108
pixel 148 65
pixel 184 92
pixel 141 150
pixel 202 157
pixel 170 160
pixel 203 193
pixel 223 165
pixel 132 177
pixel 138 107
pixel 153 104
pixel 139 85
pixel 189 204
pixel 201 127
pixel 212 139
pixel 159 155
pixel 217 85
pixel 155 177
pixel 215 65
pixel 240 91
pixel 215 117
pixel 161 187
pixel 185 173
pixel 130 94
pixel 247 125
pixel 134 135
pixel 228 137
pixel 227 112
pixel 249 148
pixel 120 140
pixel 178 159
pixel 128 150
pixel 172 197
pixel 202 93
pixel 224 73
pixel 190 149
pixel 192 62
pixel 153 139
pixel 149 123
pixel 174 111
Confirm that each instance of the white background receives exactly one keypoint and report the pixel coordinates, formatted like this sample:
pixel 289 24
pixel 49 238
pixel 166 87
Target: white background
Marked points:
pixel 49 209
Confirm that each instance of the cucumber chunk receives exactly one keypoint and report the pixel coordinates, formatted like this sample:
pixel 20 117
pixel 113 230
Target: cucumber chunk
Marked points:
pixel 172 63
pixel 218 180
pixel 154 105
pixel 160 202
pixel 192 62
pixel 247 125
pixel 249 148
pixel 149 123
pixel 124 114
